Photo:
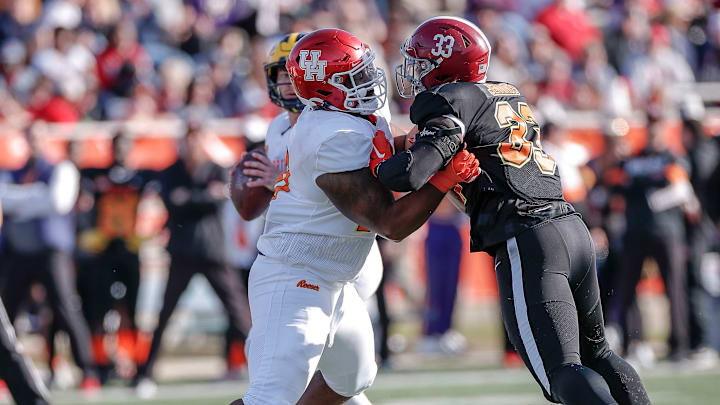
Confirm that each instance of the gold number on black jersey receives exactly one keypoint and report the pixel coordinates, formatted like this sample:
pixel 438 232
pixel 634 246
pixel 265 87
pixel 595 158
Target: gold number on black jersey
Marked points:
pixel 518 150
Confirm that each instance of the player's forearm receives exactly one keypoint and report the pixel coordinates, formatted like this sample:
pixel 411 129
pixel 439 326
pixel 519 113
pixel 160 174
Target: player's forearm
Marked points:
pixel 409 213
pixel 361 198
pixel 433 148
pixel 411 169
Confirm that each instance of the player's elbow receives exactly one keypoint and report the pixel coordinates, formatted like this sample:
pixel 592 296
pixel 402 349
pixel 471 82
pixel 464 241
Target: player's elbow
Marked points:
pixel 392 233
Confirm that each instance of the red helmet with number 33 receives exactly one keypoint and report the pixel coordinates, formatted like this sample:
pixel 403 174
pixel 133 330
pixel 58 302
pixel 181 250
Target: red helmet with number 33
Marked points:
pixel 442 50
pixel 331 68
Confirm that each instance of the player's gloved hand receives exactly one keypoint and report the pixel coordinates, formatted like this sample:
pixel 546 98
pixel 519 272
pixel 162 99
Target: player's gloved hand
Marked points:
pixel 463 168
pixel 381 151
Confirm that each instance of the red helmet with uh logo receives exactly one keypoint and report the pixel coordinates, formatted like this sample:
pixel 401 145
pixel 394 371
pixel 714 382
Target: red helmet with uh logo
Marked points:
pixel 442 50
pixel 332 69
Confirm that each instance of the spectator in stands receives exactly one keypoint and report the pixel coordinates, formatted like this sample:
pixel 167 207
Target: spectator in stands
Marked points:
pixel 229 87
pixel 627 44
pixel 47 104
pixel 570 26
pixel 19 19
pixel 509 59
pixel 709 56
pixel 558 83
pixel 200 106
pixel 175 76
pixel 37 244
pixel 124 61
pixel 193 190
pixel 660 67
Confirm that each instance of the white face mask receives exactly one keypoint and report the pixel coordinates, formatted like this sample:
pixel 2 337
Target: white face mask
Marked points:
pixel 409 74
pixel 365 86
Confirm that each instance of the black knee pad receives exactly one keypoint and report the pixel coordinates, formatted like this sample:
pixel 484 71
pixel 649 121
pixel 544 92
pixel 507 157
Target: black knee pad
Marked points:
pixel 575 384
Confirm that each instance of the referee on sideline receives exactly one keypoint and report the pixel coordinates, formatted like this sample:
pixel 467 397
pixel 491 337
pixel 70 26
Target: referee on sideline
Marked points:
pixel 19 374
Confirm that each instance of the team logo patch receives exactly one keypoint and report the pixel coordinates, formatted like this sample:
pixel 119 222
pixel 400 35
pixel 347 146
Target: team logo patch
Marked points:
pixel 423 133
pixel 305 284
pixel 502 89
pixel 314 67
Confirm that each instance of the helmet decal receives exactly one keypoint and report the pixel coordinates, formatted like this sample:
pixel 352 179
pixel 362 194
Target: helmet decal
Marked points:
pixel 443 46
pixel 314 67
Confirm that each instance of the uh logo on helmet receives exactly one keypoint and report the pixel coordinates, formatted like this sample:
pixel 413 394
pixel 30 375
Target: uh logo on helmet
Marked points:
pixel 332 69
pixel 314 67
pixel 442 50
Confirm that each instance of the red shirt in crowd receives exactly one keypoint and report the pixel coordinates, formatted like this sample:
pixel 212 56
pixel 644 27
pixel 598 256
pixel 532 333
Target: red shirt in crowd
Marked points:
pixel 112 59
pixel 569 28
pixel 57 109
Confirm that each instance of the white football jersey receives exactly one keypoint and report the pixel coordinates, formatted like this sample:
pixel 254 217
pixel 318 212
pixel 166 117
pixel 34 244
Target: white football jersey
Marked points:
pixel 276 139
pixel 302 226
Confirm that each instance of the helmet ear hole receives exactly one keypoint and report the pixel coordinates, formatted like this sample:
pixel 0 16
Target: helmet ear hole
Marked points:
pixel 466 41
pixel 324 92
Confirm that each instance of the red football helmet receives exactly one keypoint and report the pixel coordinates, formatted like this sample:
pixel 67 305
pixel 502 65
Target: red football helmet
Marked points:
pixel 333 69
pixel 441 50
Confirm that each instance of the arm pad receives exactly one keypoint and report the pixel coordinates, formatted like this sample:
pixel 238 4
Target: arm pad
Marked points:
pixel 446 140
pixel 411 169
pixel 435 146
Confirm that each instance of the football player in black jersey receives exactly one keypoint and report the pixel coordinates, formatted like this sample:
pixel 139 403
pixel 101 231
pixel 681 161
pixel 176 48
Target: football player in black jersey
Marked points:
pixel 544 257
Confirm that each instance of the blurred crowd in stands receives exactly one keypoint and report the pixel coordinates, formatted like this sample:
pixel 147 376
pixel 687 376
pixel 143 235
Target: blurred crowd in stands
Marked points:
pixel 645 177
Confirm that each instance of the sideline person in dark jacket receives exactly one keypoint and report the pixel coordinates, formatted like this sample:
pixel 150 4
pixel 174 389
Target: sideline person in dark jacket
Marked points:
pixel 193 190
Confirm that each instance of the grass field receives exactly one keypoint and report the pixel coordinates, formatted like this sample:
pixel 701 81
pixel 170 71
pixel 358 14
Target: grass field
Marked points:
pixel 668 385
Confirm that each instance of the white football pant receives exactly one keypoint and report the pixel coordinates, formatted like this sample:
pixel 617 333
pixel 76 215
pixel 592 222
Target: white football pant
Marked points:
pixel 301 322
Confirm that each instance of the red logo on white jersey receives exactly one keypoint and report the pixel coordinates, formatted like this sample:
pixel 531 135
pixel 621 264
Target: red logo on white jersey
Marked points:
pixel 305 284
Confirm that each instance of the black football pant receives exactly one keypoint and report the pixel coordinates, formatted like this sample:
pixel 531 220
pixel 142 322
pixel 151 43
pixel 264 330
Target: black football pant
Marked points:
pixel 20 376
pixel 55 271
pixel 670 252
pixel 700 241
pixel 550 302
pixel 110 280
pixel 227 285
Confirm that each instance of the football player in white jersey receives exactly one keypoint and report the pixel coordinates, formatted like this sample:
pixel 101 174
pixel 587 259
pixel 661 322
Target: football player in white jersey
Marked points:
pixel 266 169
pixel 322 223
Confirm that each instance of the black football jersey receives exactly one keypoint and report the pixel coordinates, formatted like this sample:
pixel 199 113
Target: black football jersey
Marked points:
pixel 520 186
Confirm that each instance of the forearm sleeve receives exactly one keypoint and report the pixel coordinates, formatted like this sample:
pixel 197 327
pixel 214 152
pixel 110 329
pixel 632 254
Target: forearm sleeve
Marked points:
pixel 411 169
pixel 437 142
